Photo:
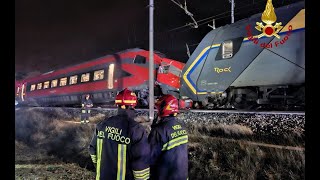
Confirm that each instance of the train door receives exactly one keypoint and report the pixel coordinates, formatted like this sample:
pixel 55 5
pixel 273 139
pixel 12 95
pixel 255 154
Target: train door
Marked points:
pixel 17 95
pixel 21 92
pixel 110 76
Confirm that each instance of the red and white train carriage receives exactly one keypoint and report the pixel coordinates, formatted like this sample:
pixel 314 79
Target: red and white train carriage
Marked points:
pixel 102 78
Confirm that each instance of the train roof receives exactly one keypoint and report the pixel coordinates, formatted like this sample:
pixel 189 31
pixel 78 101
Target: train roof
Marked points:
pixel 43 75
pixel 110 54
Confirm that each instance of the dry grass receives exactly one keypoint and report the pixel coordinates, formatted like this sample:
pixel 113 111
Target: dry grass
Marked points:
pixel 222 129
pixel 34 163
pixel 54 146
pixel 224 159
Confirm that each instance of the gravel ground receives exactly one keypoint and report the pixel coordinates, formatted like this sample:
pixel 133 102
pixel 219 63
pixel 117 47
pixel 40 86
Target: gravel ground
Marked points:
pixel 275 124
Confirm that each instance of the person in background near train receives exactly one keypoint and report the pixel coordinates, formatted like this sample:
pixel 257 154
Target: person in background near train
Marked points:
pixel 119 148
pixel 86 104
pixel 168 143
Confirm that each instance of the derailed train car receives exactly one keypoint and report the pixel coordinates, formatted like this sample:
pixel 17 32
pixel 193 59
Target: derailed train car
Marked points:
pixel 102 78
pixel 255 62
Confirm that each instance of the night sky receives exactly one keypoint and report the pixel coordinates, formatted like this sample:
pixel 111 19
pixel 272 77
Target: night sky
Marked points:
pixel 52 34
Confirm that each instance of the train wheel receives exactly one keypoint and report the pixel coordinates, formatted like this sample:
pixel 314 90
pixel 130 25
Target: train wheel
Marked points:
pixel 245 101
pixel 196 105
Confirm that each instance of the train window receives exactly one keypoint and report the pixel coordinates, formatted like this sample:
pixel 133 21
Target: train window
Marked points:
pixel 73 79
pixel 46 85
pixel 63 81
pixel 119 73
pixel 139 59
pixel 174 70
pixel 33 87
pixel 227 49
pixel 98 75
pixel 110 76
pixel 85 77
pixel 54 83
pixel 163 69
pixel 39 85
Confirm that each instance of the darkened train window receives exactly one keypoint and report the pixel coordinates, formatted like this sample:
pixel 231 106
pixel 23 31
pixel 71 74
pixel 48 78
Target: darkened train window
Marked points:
pixel 98 75
pixel 63 81
pixel 119 73
pixel 85 77
pixel 54 83
pixel 39 85
pixel 46 85
pixel 73 79
pixel 139 59
pixel 33 87
pixel 229 48
pixel 163 69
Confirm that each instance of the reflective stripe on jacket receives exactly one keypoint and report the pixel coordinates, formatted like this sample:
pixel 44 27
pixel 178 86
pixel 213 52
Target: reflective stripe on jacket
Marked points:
pixel 169 153
pixel 120 149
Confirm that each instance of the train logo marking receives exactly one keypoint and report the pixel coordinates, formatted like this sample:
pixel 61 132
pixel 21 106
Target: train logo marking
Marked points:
pixel 220 70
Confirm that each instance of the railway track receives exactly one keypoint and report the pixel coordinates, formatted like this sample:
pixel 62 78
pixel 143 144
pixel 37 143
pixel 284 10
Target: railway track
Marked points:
pixel 193 111
pixel 276 125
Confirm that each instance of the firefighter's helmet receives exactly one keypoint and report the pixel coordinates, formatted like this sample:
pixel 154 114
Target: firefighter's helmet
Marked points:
pixel 167 105
pixel 126 97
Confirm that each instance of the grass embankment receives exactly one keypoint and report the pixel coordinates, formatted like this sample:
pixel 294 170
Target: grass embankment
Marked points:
pixel 53 145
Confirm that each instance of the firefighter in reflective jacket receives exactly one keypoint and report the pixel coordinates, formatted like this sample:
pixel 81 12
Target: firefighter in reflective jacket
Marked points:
pixel 119 148
pixel 86 104
pixel 168 143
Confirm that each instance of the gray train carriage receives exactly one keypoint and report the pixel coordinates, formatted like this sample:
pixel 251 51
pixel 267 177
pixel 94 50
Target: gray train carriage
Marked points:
pixel 255 62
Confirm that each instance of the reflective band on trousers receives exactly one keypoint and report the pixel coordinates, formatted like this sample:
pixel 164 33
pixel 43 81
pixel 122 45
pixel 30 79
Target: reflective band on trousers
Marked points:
pixel 142 174
pixel 84 111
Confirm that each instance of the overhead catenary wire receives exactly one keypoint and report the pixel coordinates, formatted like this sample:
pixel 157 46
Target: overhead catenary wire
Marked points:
pixel 209 19
pixel 216 17
pixel 194 24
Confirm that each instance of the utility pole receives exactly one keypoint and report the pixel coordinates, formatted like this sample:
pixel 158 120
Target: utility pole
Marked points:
pixel 232 10
pixel 151 63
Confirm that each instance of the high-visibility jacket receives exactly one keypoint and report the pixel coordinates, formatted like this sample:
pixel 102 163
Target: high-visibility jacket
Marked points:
pixel 169 153
pixel 119 148
pixel 85 105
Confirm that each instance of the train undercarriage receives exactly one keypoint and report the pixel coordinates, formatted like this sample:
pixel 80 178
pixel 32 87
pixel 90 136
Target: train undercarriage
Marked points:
pixel 253 98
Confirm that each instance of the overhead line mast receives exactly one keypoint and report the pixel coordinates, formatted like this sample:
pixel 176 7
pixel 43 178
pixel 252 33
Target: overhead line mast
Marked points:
pixel 151 62
pixel 232 10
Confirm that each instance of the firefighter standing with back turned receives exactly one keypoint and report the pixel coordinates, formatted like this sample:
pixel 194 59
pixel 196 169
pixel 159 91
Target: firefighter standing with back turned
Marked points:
pixel 119 148
pixel 168 143
pixel 86 104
